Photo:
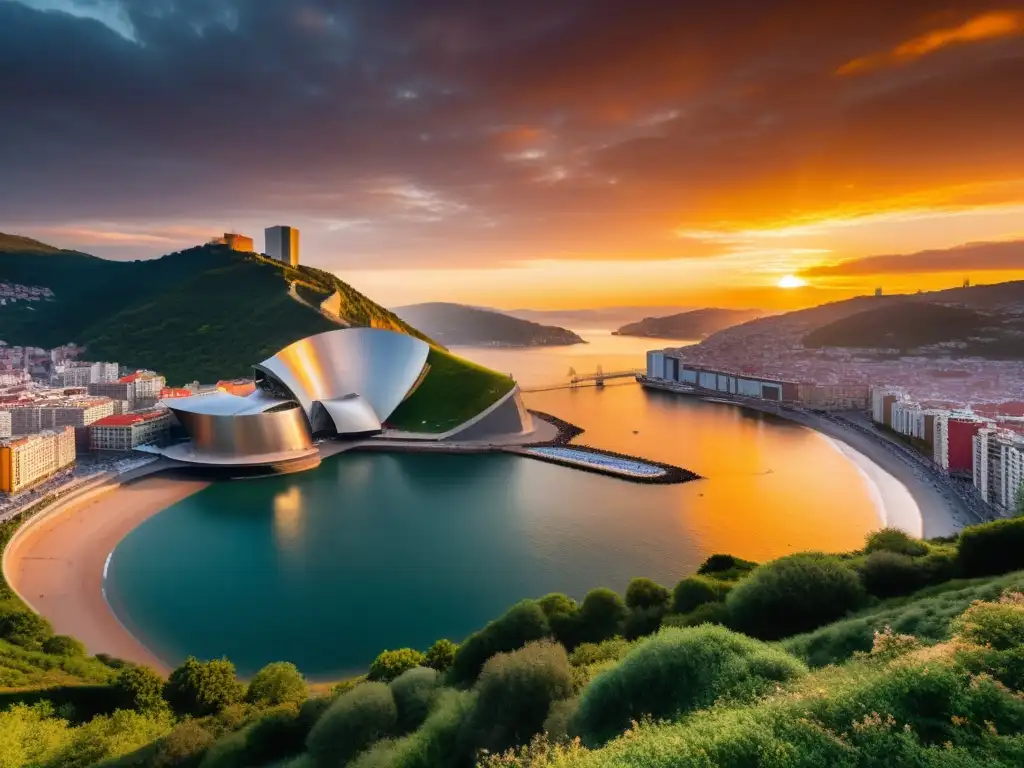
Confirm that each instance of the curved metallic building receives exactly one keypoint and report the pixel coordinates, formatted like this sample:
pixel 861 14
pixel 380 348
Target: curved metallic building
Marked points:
pixel 343 382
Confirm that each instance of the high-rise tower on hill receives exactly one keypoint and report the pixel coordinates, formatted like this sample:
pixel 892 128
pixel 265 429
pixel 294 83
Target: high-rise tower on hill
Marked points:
pixel 283 244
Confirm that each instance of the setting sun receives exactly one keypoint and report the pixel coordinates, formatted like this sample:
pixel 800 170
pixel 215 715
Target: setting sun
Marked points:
pixel 791 281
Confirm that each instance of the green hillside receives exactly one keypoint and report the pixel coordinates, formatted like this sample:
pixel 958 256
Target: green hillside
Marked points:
pixel 925 327
pixel 205 313
pixel 696 324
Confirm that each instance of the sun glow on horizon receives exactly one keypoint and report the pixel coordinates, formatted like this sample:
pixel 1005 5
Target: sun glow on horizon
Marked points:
pixel 791 281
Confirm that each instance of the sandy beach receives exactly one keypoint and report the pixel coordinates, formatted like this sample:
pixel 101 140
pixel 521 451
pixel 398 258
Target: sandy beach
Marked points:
pixel 56 563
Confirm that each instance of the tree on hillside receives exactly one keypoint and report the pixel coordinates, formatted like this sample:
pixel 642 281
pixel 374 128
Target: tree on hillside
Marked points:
pixel 277 683
pixel 202 688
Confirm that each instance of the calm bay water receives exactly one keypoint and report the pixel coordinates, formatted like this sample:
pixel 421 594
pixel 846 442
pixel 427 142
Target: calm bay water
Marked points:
pixel 373 551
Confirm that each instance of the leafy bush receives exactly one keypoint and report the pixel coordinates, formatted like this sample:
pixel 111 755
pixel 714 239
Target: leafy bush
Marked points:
pixel 515 692
pixel 726 567
pixel 110 736
pixel 992 548
pixel 441 655
pixel 793 594
pixel 926 615
pixel 63 645
pixel 562 615
pixel 139 688
pixel 677 671
pixel 202 688
pixel 414 691
pixel 390 664
pixel 438 742
pixel 183 747
pixel 998 625
pixel 695 591
pixel 646 593
pixel 596 653
pixel 888 574
pixel 558 724
pixel 709 613
pixel 352 723
pixel 600 616
pixel 24 628
pixel 277 683
pixel 523 623
pixel 277 734
pixel 896 541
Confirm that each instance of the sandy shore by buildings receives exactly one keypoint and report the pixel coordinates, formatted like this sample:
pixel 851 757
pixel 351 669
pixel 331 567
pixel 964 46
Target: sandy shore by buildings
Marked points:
pixel 56 562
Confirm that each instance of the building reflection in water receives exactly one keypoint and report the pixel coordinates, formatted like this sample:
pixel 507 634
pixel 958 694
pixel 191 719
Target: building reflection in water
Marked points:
pixel 289 518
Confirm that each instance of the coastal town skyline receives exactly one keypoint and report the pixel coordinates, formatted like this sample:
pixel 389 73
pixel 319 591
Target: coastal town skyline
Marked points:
pixel 654 155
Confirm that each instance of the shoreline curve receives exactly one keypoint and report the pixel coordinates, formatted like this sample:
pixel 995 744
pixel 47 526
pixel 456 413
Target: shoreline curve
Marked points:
pixel 56 561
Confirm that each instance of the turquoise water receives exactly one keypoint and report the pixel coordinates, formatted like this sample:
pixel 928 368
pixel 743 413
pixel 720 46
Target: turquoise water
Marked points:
pixel 326 568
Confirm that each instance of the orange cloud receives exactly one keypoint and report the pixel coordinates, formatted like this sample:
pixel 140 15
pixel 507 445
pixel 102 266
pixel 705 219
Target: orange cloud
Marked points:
pixel 986 26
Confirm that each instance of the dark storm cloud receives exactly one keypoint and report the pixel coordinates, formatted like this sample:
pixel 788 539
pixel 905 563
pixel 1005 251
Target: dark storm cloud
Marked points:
pixel 972 257
pixel 535 129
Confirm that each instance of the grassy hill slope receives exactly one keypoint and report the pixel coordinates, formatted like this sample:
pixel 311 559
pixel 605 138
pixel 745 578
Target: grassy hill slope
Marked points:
pixel 204 313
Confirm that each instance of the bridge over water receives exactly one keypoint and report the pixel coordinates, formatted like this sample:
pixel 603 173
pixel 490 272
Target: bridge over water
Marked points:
pixel 595 379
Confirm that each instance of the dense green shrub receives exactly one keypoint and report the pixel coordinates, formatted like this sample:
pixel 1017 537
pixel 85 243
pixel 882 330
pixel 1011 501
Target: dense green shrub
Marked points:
pixel 646 593
pixel 277 734
pixel 312 709
pixel 793 594
pixel 726 567
pixel 595 653
pixel 641 622
pixel 992 548
pixel 896 541
pixel 709 613
pixel 926 614
pixel 440 741
pixel 677 671
pixel 888 574
pixel 601 616
pixel 523 623
pixel 390 664
pixel 562 615
pixel 515 692
pixel 999 625
pixel 277 683
pixel 63 645
pixel 139 688
pixel 694 591
pixel 23 627
pixel 110 736
pixel 352 723
pixel 558 725
pixel 183 747
pixel 414 691
pixel 202 688
pixel 441 655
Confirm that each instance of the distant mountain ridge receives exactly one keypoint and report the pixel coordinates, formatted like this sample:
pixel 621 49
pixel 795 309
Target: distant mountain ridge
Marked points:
pixel 203 313
pixel 599 318
pixel 695 324
pixel 473 326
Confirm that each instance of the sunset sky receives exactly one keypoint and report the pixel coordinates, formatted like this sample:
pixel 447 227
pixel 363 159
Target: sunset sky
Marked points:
pixel 536 153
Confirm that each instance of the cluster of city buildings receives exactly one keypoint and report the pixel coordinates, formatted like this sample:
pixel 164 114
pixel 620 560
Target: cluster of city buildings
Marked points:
pixel 281 243
pixel 986 447
pixel 12 293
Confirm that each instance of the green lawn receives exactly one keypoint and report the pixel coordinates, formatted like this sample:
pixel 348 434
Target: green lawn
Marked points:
pixel 454 391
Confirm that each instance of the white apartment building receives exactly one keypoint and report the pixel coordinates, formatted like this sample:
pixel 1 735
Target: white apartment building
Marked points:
pixel 128 431
pixel 25 461
pixel 999 467
pixel 882 399
pixel 73 376
pixel 100 373
pixel 5 424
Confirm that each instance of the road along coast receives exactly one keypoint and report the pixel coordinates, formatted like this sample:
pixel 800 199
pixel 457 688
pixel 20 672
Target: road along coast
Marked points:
pixel 56 561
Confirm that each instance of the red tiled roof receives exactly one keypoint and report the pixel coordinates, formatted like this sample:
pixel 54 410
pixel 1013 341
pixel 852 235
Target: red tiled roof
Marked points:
pixel 128 419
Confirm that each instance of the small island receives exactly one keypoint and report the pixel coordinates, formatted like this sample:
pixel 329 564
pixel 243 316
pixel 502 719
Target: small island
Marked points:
pixel 461 325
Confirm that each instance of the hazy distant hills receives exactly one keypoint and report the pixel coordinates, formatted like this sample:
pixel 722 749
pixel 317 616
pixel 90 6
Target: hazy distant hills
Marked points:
pixel 203 313
pixel 695 324
pixel 462 325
